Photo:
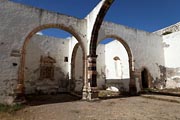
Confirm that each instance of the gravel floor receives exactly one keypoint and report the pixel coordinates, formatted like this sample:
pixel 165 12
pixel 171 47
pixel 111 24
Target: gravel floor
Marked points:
pixel 129 108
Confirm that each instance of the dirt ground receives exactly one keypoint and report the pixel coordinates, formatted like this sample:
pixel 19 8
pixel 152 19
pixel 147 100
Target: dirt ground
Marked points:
pixel 124 108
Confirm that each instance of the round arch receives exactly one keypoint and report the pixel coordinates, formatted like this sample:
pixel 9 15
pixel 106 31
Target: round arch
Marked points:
pixel 145 78
pixel 132 86
pixel 97 24
pixel 73 66
pixel 73 60
pixel 126 46
pixel 20 86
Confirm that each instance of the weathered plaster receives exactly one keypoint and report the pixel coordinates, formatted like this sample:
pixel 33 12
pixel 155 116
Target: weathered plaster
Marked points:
pixel 42 46
pixel 148 44
pixel 19 23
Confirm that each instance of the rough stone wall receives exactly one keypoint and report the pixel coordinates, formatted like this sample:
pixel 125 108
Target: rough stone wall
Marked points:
pixel 54 48
pixel 173 77
pixel 172 63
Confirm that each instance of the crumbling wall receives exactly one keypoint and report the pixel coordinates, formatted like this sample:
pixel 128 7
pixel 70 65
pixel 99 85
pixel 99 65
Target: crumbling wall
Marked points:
pixel 173 77
pixel 146 48
pixel 172 63
pixel 17 21
pixel 57 49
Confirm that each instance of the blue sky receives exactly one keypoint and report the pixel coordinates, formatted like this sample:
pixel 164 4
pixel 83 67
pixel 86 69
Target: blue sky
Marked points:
pixel 148 15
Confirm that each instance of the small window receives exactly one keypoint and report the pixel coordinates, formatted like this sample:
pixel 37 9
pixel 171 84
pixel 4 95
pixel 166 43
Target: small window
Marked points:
pixel 118 67
pixel 65 59
pixel 47 68
pixel 116 58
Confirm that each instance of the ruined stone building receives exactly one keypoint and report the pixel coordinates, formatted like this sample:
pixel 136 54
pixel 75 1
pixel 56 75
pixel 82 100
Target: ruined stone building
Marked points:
pixel 32 63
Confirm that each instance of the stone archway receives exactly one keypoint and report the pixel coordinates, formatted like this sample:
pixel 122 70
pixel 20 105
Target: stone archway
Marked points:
pixel 20 87
pixel 132 84
pixel 74 66
pixel 98 19
pixel 97 25
pixel 145 78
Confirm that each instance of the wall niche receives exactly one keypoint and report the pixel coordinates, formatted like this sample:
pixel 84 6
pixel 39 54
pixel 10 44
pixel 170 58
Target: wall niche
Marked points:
pixel 47 67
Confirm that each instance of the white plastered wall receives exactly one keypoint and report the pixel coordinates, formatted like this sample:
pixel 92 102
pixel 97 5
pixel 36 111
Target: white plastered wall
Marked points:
pixel 117 70
pixel 172 57
pixel 101 66
pixel 171 49
pixel 45 46
pixel 109 70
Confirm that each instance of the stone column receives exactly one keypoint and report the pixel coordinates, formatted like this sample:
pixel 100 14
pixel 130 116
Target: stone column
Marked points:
pixel 85 87
pixel 92 77
pixel 20 89
pixel 132 84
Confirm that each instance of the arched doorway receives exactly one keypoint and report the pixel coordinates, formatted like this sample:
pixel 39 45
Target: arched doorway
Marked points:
pixel 113 67
pixel 77 69
pixel 21 75
pixel 145 78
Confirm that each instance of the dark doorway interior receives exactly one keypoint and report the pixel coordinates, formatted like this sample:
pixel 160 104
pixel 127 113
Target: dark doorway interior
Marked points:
pixel 144 78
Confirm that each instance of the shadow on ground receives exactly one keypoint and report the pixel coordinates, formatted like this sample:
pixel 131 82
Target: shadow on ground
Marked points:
pixel 34 100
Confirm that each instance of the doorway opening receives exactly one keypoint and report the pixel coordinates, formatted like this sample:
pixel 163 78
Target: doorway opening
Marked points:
pixel 144 78
pixel 112 66
pixel 45 67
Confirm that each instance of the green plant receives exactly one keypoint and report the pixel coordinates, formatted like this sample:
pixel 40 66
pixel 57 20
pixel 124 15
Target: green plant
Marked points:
pixel 10 108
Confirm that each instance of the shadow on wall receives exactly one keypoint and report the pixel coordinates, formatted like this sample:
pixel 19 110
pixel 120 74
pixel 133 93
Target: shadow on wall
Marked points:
pixel 76 85
pixel 38 85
